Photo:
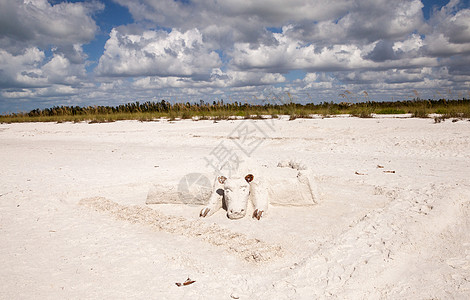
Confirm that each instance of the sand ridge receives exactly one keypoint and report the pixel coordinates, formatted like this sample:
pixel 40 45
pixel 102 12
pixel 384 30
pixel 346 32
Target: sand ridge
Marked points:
pixel 250 249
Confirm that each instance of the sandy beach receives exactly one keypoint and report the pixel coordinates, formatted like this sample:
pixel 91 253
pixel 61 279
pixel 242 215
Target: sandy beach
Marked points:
pixel 392 220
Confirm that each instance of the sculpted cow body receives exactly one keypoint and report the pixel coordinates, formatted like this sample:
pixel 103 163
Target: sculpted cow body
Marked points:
pixel 288 184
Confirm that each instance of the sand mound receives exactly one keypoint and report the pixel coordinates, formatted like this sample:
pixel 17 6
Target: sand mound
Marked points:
pixel 193 188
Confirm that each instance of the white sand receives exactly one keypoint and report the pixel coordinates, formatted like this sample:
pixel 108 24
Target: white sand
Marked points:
pixel 74 224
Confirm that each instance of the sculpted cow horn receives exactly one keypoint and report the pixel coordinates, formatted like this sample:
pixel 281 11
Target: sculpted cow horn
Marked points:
pixel 249 178
pixel 222 179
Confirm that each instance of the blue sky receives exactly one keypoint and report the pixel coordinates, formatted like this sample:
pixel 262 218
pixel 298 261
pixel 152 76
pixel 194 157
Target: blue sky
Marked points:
pixel 118 51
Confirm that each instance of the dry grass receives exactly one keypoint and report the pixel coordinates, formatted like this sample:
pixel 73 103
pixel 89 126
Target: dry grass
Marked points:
pixel 153 111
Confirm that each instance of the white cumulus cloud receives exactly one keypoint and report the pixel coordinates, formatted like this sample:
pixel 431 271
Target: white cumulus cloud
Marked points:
pixel 156 53
pixel 39 23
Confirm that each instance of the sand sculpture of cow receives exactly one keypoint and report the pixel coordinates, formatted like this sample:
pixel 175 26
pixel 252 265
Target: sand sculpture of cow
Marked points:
pixel 289 184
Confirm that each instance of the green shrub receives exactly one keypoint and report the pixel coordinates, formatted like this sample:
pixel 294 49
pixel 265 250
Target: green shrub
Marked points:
pixel 419 113
pixel 390 111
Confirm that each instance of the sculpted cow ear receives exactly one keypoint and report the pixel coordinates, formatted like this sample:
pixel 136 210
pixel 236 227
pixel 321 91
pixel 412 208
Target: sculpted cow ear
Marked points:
pixel 249 178
pixel 222 179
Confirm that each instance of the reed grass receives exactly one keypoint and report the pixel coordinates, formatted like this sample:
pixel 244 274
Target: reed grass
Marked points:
pixel 153 111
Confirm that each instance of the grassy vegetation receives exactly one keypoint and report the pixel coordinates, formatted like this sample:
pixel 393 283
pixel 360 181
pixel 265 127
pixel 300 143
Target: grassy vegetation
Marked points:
pixel 151 111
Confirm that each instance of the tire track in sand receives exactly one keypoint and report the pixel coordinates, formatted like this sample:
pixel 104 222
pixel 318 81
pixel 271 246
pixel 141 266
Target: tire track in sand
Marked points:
pixel 380 242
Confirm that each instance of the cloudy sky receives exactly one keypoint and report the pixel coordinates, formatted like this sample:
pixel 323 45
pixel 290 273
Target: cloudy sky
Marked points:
pixel 114 52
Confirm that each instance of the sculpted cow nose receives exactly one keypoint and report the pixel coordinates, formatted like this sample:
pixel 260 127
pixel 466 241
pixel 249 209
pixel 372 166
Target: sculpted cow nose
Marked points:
pixel 236 214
